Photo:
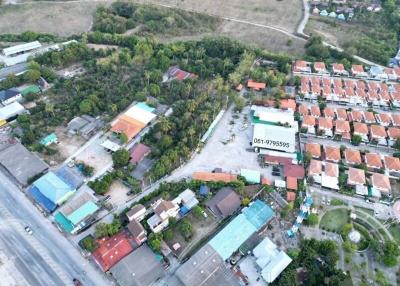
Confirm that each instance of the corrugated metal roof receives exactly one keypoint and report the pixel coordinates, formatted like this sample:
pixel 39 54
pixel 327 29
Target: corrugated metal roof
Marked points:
pixel 251 176
pixel 85 210
pixel 21 48
pixel 11 110
pixel 53 188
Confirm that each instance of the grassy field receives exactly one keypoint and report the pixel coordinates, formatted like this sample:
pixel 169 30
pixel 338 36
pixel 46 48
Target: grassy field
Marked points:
pixel 334 220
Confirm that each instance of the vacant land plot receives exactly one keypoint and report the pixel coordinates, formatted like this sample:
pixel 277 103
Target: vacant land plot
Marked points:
pixel 62 19
pixel 334 220
pixel 285 14
pixel 68 145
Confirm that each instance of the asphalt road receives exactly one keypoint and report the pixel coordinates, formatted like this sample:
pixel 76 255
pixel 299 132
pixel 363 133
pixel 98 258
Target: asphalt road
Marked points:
pixel 16 69
pixel 46 257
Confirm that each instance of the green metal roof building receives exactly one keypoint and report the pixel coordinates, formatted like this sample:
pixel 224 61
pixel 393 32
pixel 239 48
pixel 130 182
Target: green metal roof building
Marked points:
pixel 30 89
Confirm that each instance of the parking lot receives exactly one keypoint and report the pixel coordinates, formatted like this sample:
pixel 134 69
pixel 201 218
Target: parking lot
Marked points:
pixel 223 152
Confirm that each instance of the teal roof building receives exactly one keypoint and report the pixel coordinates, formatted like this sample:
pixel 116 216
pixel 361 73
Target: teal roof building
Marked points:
pixel 251 176
pixel 53 188
pixel 49 139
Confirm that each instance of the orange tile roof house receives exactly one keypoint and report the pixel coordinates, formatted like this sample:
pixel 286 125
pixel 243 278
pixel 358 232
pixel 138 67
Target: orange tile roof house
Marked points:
pixel 300 66
pixel 338 69
pixel 358 71
pixel 329 112
pixel 361 129
pixel 392 165
pixel 341 113
pixel 256 85
pixel 378 134
pixel 314 149
pixel 384 119
pixel 356 177
pixel 381 183
pixel 302 109
pixel 369 117
pixel 352 157
pixel 393 134
pixel 342 128
pixel 330 176
pixel 332 154
pixel 325 125
pixel 309 123
pixel 319 67
pixel 290 196
pixel 315 111
pixel 288 104
pixel 356 115
pixel 396 120
pixel 291 183
pixel 373 161
pixel 315 168
pixel 214 177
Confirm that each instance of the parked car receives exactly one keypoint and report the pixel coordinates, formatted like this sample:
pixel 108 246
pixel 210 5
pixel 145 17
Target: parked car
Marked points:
pixel 28 230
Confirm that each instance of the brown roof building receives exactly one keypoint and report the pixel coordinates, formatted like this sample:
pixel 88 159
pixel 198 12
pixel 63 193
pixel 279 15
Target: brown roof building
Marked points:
pixel 356 177
pixel 332 154
pixel 352 157
pixel 225 202
pixel 214 177
pixel 373 161
pixel 314 149
pixel 381 182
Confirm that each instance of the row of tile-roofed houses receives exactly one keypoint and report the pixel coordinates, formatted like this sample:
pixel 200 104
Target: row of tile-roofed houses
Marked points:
pixel 338 69
pixel 349 91
pixel 324 169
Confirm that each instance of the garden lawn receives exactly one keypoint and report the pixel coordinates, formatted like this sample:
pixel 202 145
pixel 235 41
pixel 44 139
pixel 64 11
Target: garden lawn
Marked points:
pixel 334 220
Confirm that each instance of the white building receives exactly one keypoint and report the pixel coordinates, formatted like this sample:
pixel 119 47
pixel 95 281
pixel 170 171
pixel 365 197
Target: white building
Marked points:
pixel 270 260
pixel 273 137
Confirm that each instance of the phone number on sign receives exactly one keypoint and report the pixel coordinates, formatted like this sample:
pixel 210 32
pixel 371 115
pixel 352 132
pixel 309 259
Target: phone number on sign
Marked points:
pixel 271 143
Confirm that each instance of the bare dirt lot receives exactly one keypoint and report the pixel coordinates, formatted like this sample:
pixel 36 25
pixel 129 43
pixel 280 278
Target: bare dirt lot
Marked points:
pixel 70 18
pixel 285 14
pixel 62 19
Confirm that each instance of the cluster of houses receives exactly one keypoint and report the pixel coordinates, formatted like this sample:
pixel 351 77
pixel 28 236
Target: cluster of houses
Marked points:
pixel 379 129
pixel 324 169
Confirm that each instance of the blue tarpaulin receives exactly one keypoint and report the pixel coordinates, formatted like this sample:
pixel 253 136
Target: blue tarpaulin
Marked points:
pixel 42 200
pixel 204 190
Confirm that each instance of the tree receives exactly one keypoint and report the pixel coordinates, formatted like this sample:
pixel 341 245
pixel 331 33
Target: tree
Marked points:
pixel 197 212
pixel 120 158
pixel 101 230
pixel 348 246
pixel 154 242
pixel 123 138
pixel 239 103
pixel 185 228
pixel 85 106
pixel 168 234
pixel 307 158
pixel 312 219
pixel 397 144
pixel 246 201
pixel 356 139
pixel 390 253
pixel 346 230
pixel 316 49
pixel 32 75
pixel 87 170
pixel 89 243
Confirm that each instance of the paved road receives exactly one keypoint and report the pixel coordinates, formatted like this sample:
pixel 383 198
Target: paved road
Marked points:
pixel 304 20
pixel 46 257
pixel 16 69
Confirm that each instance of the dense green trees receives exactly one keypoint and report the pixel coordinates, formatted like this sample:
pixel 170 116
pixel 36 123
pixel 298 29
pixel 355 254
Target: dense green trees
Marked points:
pixel 120 158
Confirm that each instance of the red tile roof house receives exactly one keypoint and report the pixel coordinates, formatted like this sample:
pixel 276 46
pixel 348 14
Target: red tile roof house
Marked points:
pixel 309 123
pixel 332 154
pixel 384 98
pixel 290 196
pixel 291 183
pixel 176 73
pixel 258 86
pixel 325 126
pixel 395 98
pixel 393 134
pixel 341 113
pixel 337 93
pixel 378 135
pixel 338 69
pixel 314 149
pixel 396 120
pixel 138 152
pixel 329 112
pixel 380 184
pixel 316 91
pixel 327 92
pixel 383 119
pixel 356 115
pixel 352 157
pixel 111 250
pixel 373 161
pixel 358 71
pixel 294 171
pixel 360 98
pixel 342 128
pixel 373 98
pixel 361 129
pixel 369 117
pixel 392 165
pixel 300 66
pixel 315 111
pixel 319 67
pixel 391 73
pixel 356 179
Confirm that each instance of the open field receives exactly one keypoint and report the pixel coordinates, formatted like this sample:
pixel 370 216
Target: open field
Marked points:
pixel 65 19
pixel 334 220
pixel 285 14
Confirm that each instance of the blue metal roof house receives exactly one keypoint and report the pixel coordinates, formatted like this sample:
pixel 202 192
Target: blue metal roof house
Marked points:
pixel 234 234
pixel 49 191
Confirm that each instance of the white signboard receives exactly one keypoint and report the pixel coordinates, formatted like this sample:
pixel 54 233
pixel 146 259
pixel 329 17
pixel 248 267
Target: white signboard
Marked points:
pixel 274 137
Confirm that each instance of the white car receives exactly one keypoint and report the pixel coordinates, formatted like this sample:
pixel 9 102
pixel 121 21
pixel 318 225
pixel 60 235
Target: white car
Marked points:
pixel 329 202
pixel 28 230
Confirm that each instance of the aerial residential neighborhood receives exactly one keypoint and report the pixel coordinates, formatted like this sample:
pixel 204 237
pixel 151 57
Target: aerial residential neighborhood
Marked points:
pixel 178 143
